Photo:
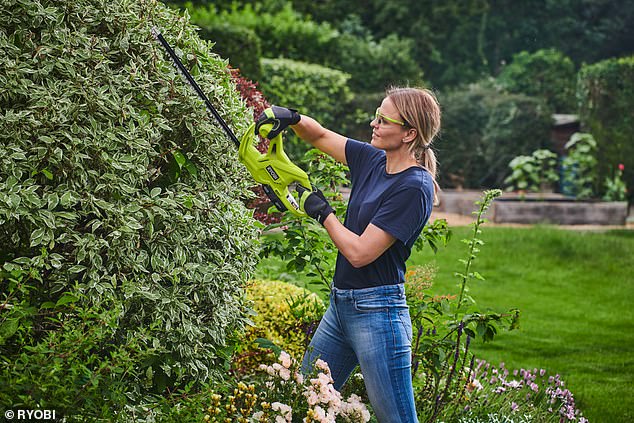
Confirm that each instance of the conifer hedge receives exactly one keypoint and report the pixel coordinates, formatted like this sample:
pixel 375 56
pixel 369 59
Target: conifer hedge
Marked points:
pixel 118 193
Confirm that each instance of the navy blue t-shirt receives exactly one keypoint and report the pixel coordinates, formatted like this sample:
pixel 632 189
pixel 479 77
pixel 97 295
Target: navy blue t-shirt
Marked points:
pixel 400 204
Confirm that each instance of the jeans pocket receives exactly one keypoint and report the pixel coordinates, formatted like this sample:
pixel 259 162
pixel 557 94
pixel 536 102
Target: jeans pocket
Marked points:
pixel 370 304
pixel 406 321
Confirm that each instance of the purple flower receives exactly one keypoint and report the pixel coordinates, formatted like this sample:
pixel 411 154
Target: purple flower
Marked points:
pixel 514 406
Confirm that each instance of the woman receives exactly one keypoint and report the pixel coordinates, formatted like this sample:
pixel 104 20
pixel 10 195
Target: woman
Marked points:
pixel 393 189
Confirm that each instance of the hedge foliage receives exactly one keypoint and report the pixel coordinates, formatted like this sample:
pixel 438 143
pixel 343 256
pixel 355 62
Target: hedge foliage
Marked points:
pixel 239 44
pixel 314 90
pixel 483 130
pixel 117 190
pixel 605 91
pixel 372 63
pixel 547 74
pixel 317 90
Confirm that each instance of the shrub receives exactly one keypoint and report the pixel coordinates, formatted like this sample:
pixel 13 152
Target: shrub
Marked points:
pixel 579 167
pixel 314 90
pixel 287 316
pixel 547 74
pixel 376 64
pixel 116 185
pixel 483 129
pixel 238 44
pixel 533 173
pixel 67 356
pixel 284 33
pixel 605 91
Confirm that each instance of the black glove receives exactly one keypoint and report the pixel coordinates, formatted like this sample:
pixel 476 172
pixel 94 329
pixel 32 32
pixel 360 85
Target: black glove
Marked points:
pixel 274 120
pixel 314 204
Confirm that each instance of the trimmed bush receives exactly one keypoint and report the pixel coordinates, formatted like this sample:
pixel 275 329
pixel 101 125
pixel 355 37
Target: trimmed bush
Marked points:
pixel 116 186
pixel 314 90
pixel 372 64
pixel 239 44
pixel 483 130
pixel 606 95
pixel 375 65
pixel 287 315
pixel 547 74
pixel 284 33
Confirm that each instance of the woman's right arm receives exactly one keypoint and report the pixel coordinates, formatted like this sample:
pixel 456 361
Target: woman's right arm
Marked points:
pixel 328 141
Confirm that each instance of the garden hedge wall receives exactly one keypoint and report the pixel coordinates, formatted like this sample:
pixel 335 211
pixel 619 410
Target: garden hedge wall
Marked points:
pixel 314 90
pixel 239 44
pixel 119 194
pixel 606 91
pixel 483 130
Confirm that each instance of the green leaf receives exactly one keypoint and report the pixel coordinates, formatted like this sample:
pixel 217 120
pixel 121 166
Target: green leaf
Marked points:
pixel 8 328
pixel 67 298
pixel 180 158
pixel 269 345
pixel 47 173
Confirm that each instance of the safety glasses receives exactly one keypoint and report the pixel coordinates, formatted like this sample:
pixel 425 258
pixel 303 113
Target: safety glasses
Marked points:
pixel 381 119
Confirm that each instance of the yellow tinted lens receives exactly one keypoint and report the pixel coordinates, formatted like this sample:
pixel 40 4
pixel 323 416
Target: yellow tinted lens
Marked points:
pixel 380 118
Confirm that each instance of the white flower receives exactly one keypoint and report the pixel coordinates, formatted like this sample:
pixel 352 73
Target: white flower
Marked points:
pixel 322 365
pixel 285 359
pixel 285 373
pixel 285 410
pixel 299 378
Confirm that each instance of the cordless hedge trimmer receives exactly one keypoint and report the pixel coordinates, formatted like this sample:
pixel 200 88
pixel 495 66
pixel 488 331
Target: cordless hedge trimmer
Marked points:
pixel 273 170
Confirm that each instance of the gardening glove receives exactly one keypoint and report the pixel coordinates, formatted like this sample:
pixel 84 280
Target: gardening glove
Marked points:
pixel 274 120
pixel 314 204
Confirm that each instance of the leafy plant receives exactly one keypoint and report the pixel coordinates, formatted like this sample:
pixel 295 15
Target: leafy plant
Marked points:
pixel 118 191
pixel 68 355
pixel 285 315
pixel 308 87
pixel 484 129
pixel 534 172
pixel 615 189
pixel 532 394
pixel 546 73
pixel 605 91
pixel 580 166
pixel 443 329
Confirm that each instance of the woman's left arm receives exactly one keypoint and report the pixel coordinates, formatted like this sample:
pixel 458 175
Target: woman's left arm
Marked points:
pixel 359 250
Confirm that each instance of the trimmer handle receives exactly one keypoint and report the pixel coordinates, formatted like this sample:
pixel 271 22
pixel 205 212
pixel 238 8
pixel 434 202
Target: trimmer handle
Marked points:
pixel 274 170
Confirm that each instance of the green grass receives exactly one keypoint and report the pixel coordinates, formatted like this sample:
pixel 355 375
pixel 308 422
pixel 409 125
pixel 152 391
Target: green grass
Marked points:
pixel 574 290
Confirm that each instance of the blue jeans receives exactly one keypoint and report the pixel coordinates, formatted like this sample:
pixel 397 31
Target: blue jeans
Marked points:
pixel 370 327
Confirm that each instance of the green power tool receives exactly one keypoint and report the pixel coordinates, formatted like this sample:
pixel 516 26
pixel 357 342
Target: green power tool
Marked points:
pixel 274 170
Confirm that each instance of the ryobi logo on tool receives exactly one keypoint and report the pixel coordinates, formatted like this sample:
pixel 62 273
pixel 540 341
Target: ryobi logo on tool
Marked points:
pixel 272 172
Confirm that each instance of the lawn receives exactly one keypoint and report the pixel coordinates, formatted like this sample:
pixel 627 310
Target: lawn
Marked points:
pixel 574 290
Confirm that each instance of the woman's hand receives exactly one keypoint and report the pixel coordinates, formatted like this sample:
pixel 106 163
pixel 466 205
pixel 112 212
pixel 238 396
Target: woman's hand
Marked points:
pixel 314 204
pixel 274 120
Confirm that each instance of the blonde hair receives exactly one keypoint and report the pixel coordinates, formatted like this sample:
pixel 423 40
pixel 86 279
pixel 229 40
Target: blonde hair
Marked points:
pixel 421 110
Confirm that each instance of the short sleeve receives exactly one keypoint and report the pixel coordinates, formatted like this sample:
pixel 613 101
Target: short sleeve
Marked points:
pixel 403 214
pixel 358 154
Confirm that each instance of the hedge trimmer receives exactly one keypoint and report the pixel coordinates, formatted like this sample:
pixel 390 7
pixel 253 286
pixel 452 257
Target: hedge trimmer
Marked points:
pixel 273 170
